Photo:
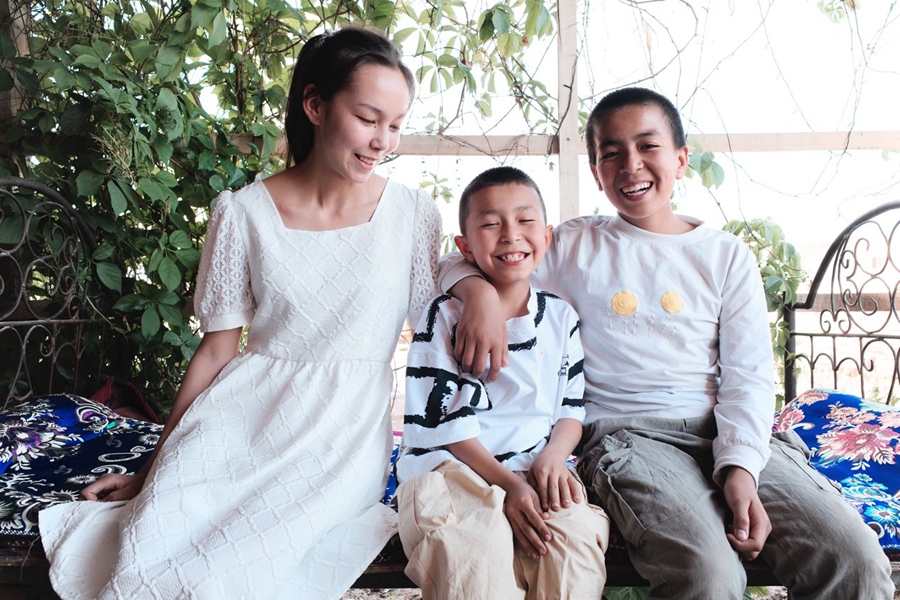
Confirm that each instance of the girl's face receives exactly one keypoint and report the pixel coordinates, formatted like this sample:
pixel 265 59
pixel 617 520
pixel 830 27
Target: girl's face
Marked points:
pixel 360 125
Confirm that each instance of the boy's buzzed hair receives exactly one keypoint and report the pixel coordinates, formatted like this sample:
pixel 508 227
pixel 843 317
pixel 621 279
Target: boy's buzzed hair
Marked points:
pixel 494 177
pixel 630 97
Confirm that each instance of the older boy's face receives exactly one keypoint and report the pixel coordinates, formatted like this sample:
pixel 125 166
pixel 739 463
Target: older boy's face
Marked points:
pixel 505 232
pixel 637 166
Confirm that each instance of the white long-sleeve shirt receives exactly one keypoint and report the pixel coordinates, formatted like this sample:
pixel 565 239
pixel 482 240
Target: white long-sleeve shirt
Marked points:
pixel 672 326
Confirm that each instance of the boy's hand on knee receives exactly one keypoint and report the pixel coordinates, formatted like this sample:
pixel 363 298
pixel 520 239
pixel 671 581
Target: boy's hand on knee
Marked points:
pixel 751 527
pixel 555 484
pixel 522 509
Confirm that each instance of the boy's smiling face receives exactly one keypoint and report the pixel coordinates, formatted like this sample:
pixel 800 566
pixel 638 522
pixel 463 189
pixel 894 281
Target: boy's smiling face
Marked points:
pixel 506 235
pixel 637 166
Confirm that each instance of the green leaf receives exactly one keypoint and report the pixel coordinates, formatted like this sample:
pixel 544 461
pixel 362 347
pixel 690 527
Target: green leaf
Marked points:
pixel 168 298
pixel 154 190
pixel 103 252
pixel 155 258
pixel 166 61
pixel 164 148
pixel 89 182
pixel 87 60
pixel 131 302
pixel 117 199
pixel 447 60
pixel 171 315
pixel 142 50
pixel 190 258
pixel 6 81
pixel 501 19
pixel 202 15
pixel 180 239
pixel 140 24
pixel 110 275
pixel 166 178
pixel 7 47
pixel 401 35
pixel 150 322
pixel 169 273
pixel 64 79
pixel 207 161
pixel 486 25
pixel 219 30
pixel 172 339
pixel 217 183
pixel 167 99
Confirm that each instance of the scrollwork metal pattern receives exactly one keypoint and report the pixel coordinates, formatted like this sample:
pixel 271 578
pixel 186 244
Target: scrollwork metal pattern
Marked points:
pixel 44 278
pixel 846 334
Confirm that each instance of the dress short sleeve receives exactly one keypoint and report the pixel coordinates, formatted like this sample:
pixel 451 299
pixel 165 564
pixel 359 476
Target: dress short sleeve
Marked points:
pixel 224 298
pixel 425 249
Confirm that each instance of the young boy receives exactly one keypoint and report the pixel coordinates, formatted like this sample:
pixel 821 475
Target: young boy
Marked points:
pixel 678 384
pixel 485 463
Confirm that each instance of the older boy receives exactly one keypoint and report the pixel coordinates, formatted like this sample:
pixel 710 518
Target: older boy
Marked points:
pixel 678 368
pixel 478 451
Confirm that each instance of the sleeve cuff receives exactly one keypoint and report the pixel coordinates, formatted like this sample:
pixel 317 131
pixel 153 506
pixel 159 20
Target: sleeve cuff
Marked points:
pixel 453 269
pixel 738 455
pixel 223 322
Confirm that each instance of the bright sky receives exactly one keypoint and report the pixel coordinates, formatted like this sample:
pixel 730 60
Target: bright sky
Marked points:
pixel 758 66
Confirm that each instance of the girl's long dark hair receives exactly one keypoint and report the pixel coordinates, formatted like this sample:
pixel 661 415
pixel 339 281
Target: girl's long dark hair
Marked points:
pixel 328 63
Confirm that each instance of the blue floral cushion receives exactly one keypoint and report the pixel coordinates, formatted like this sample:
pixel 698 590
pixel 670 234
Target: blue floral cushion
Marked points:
pixel 855 444
pixel 52 446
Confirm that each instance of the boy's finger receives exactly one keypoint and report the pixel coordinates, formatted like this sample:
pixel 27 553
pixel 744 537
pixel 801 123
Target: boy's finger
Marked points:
pixel 574 488
pixel 463 353
pixel 528 539
pixel 565 494
pixel 543 495
pixel 740 527
pixel 498 360
pixel 554 495
pixel 536 520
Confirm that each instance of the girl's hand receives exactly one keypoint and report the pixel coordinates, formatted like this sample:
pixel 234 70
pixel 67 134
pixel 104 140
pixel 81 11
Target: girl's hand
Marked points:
pixel 556 486
pixel 113 486
pixel 522 509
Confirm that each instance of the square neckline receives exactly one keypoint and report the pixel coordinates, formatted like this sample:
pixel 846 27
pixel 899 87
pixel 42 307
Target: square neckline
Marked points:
pixel 281 225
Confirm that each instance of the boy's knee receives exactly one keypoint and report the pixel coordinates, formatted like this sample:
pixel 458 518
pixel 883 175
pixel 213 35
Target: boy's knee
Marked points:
pixel 702 574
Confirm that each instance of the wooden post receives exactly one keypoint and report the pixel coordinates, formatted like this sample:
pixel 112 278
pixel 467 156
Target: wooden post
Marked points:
pixel 13 24
pixel 569 139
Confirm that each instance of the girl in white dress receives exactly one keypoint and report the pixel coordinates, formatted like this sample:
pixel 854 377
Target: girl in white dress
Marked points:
pixel 267 478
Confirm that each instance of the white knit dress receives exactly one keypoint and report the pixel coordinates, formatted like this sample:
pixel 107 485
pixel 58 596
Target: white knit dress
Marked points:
pixel 269 487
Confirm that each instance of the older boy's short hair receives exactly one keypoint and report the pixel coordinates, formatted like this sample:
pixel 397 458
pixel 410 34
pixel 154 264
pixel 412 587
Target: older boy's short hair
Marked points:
pixel 630 97
pixel 491 178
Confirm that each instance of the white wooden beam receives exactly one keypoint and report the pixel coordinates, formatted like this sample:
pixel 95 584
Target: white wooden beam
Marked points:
pixel 542 145
pixel 569 140
pixel 788 142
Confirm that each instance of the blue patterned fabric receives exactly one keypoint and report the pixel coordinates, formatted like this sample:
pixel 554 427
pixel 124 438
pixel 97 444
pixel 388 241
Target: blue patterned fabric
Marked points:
pixel 855 444
pixel 52 446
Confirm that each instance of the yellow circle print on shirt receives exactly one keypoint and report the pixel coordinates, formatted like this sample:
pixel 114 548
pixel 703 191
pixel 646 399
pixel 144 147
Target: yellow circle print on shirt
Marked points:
pixel 672 302
pixel 624 303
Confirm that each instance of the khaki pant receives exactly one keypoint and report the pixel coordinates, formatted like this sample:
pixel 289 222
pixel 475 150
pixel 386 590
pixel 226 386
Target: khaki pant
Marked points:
pixel 460 544
pixel 654 476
